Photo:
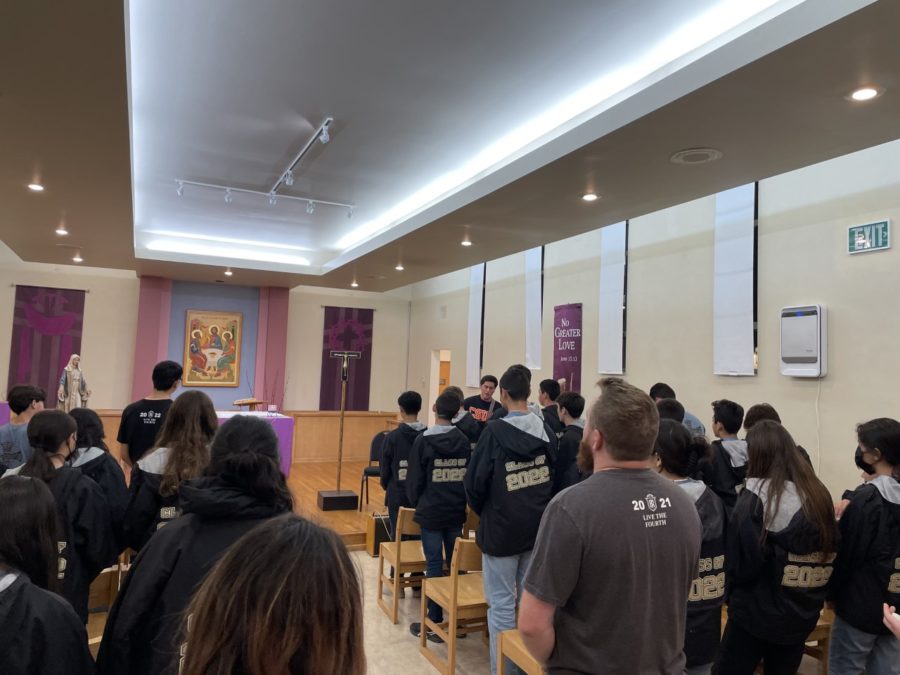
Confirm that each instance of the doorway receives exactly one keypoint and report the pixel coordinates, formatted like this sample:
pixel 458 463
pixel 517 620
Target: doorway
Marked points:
pixel 439 379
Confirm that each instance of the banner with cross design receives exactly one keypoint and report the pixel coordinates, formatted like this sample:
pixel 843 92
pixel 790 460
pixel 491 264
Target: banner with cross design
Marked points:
pixel 346 329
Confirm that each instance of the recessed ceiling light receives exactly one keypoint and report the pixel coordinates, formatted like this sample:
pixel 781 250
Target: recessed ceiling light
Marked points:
pixel 696 156
pixel 77 257
pixel 589 197
pixel 353 284
pixel 228 272
pixel 35 187
pixel 61 228
pixel 399 267
pixel 465 242
pixel 865 94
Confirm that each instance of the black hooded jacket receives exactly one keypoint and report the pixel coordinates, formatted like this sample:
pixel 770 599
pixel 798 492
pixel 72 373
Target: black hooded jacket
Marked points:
pixel 148 509
pixel 776 588
pixel 704 611
pixel 509 483
pixel 867 570
pixel 395 464
pixel 86 540
pixel 105 471
pixel 41 634
pixel 468 425
pixel 142 631
pixel 551 419
pixel 566 472
pixel 725 470
pixel 434 484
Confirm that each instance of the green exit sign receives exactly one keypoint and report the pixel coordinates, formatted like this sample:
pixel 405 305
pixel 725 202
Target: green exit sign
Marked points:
pixel 869 237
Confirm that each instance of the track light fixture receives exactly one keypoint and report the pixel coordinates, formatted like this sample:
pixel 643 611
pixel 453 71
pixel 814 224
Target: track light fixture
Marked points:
pixel 324 136
pixel 349 213
pixel 180 189
pixel 228 197
pixel 289 178
pixel 273 199
pixel 310 207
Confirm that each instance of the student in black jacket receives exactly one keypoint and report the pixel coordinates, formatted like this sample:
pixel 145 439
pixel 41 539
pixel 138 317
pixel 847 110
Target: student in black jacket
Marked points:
pixel 571 406
pixel 509 483
pixel 726 467
pixel 780 550
pixel 678 457
pixel 92 458
pixel 434 484
pixel 867 569
pixel 86 540
pixel 462 420
pixel 242 487
pixel 548 392
pixel 395 454
pixel 181 453
pixel 41 634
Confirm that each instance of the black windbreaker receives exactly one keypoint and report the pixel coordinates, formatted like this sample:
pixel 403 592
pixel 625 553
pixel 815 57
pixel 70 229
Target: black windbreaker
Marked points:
pixel 509 483
pixel 551 419
pixel 105 471
pixel 395 463
pixel 867 570
pixel 468 425
pixel 434 484
pixel 143 629
pixel 776 588
pixel 87 543
pixel 148 510
pixel 704 610
pixel 566 471
pixel 725 470
pixel 40 633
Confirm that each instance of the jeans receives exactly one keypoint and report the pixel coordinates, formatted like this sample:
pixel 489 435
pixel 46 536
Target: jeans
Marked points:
pixel 433 541
pixel 740 653
pixel 853 651
pixel 503 578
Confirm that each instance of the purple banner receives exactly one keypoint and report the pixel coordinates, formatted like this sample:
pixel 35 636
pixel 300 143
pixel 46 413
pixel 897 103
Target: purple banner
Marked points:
pixel 346 329
pixel 47 325
pixel 567 346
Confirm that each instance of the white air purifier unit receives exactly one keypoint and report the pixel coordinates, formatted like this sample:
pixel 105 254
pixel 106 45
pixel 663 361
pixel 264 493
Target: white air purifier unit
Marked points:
pixel 804 341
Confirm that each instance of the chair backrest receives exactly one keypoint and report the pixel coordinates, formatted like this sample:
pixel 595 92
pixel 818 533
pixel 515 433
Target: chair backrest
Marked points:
pixel 466 557
pixel 405 524
pixel 376 447
pixel 471 524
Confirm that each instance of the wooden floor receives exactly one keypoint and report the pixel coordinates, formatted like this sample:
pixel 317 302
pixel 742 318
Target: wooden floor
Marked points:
pixel 308 478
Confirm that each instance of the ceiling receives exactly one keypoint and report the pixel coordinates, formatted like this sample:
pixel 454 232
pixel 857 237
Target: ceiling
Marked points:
pixel 417 93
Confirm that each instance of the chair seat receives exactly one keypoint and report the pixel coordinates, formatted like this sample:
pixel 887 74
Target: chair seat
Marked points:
pixel 412 553
pixel 470 591
pixel 371 471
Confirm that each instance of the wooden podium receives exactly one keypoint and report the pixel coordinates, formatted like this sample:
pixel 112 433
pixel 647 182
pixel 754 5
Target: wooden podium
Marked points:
pixel 251 404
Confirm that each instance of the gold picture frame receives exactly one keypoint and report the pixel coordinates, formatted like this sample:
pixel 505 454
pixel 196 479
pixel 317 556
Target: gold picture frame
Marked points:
pixel 212 348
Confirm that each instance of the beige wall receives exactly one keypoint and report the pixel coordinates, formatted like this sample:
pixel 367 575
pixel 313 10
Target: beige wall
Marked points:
pixel 803 220
pixel 304 350
pixel 110 321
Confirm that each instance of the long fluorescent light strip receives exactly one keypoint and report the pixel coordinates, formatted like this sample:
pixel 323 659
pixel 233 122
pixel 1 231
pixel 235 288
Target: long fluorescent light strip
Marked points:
pixel 709 26
pixel 225 240
pixel 227 253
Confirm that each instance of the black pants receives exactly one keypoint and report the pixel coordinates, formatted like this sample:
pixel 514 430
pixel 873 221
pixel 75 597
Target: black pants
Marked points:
pixel 740 653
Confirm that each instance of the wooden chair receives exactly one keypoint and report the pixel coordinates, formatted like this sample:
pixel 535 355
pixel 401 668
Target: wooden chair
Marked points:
pixel 821 636
pixel 404 557
pixel 510 646
pixel 461 596
pixel 372 470
pixel 470 527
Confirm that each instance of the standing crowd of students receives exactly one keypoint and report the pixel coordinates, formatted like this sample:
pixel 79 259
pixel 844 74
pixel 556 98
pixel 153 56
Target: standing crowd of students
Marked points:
pixel 611 541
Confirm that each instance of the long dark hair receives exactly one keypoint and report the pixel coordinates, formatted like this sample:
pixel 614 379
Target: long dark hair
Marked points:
pixel 284 600
pixel 90 429
pixel 47 431
pixel 679 452
pixel 882 434
pixel 772 455
pixel 28 529
pixel 187 431
pixel 245 454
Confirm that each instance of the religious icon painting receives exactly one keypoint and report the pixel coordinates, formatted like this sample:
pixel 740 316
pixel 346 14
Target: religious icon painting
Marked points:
pixel 212 349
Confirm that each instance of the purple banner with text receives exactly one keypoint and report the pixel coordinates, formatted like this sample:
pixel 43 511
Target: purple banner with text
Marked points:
pixel 346 329
pixel 567 346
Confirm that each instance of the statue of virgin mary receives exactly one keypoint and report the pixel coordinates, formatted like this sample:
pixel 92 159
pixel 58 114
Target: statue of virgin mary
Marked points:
pixel 73 392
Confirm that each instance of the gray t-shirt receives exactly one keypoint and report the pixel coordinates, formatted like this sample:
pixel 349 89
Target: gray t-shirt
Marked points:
pixel 616 554
pixel 14 447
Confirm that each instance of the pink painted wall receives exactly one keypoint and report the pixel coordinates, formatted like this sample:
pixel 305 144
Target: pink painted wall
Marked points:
pixel 271 345
pixel 152 342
